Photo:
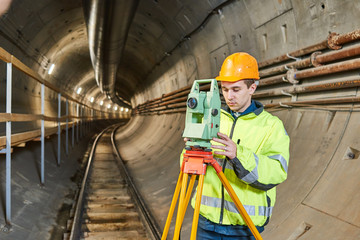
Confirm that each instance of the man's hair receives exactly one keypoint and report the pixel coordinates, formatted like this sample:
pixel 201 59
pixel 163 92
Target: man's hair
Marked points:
pixel 248 82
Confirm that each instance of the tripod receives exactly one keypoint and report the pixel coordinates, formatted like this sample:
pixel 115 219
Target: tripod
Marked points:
pixel 194 163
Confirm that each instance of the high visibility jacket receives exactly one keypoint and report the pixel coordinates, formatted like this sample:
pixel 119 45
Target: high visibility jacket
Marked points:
pixel 261 164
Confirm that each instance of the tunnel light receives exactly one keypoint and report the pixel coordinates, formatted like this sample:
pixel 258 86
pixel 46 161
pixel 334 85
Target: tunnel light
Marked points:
pixel 115 108
pixel 78 91
pixel 121 109
pixel 92 99
pixel 51 69
pixel 109 105
pixel 101 102
pixel 126 110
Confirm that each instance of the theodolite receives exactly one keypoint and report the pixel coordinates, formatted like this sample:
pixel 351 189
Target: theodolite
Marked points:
pixel 202 121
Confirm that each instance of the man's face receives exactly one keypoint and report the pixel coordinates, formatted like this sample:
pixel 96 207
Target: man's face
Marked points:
pixel 237 95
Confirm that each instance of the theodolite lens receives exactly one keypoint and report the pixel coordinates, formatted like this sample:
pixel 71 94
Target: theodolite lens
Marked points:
pixel 192 103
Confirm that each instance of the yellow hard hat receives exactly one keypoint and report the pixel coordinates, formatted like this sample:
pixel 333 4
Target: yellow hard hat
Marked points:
pixel 238 66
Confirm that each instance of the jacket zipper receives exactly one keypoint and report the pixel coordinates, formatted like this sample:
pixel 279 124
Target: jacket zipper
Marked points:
pixel 223 169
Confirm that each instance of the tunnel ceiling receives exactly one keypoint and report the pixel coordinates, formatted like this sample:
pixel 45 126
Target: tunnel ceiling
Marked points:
pixel 155 28
pixel 42 33
pixel 55 32
pixel 158 27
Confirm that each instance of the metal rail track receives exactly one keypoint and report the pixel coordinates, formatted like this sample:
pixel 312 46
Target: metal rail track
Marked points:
pixel 108 205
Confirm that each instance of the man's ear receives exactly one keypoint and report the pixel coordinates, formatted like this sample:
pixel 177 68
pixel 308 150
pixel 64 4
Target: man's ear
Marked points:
pixel 252 88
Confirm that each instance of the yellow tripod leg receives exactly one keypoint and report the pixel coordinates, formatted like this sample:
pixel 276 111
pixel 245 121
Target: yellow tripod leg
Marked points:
pixel 239 206
pixel 188 195
pixel 180 207
pixel 197 207
pixel 172 206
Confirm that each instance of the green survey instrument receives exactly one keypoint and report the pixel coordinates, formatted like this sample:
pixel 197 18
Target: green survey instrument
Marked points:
pixel 202 121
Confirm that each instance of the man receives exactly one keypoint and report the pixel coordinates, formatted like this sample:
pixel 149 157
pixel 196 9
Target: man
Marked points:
pixel 4 6
pixel 253 150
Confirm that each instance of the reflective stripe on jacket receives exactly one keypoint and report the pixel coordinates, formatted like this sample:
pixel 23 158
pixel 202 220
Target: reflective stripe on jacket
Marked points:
pixel 261 164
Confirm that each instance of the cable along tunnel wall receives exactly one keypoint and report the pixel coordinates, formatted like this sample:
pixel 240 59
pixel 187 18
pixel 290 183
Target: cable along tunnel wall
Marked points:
pixel 319 200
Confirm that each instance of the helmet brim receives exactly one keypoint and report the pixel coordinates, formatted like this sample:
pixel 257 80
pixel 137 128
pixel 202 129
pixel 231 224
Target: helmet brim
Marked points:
pixel 231 78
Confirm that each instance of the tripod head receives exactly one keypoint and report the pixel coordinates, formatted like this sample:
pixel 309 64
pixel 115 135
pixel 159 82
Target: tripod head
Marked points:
pixel 202 121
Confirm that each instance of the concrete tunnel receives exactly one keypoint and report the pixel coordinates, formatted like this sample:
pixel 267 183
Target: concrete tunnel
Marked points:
pixel 143 56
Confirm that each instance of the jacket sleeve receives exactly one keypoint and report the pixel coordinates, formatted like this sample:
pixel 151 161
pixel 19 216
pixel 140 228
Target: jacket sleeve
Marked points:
pixel 268 169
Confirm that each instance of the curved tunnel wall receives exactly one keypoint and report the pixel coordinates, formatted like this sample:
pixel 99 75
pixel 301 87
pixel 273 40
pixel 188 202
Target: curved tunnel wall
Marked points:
pixel 320 191
pixel 319 200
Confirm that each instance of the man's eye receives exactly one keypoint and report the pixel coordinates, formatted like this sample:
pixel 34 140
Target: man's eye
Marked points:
pixel 225 90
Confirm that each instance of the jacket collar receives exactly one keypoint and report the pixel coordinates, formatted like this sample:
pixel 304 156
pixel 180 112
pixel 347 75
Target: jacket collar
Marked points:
pixel 255 108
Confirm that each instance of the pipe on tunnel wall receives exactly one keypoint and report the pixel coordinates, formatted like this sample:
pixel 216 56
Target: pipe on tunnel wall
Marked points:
pixel 108 23
pixel 175 101
pixel 334 41
pixel 348 82
pixel 319 139
pixel 316 59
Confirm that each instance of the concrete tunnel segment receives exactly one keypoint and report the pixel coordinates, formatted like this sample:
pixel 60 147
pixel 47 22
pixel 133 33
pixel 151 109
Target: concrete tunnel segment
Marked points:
pixel 317 201
pixel 320 198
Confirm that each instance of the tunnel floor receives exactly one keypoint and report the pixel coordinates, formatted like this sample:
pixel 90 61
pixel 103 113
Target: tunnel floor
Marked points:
pixel 41 212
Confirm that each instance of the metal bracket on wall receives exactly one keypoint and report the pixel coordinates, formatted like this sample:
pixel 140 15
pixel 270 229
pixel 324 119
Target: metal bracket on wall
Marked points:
pixel 313 59
pixel 290 76
pixel 294 58
pixel 293 96
pixel 284 105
